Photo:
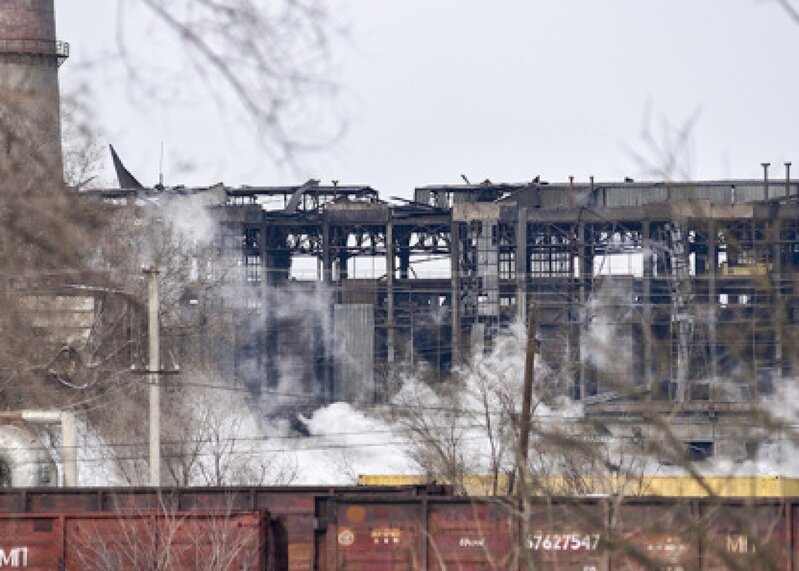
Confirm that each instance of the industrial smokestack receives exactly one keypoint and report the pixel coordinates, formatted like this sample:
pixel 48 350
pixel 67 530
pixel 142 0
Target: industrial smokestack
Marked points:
pixel 30 118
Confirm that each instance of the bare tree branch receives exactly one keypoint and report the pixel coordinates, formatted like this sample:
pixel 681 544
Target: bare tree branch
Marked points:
pixel 274 58
pixel 790 9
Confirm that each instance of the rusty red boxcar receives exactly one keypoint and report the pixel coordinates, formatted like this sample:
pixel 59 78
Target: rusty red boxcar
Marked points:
pixel 291 507
pixel 711 535
pixel 372 533
pixel 457 533
pixel 133 541
pixel 563 534
pixel 332 529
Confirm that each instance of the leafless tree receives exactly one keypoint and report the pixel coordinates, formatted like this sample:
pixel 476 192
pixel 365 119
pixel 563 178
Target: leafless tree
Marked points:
pixel 790 9
pixel 223 449
pixel 432 421
pixel 164 539
pixel 62 248
pixel 273 58
pixel 665 152
pixel 81 141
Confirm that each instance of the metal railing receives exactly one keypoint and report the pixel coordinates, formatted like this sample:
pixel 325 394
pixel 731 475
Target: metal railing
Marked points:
pixel 56 48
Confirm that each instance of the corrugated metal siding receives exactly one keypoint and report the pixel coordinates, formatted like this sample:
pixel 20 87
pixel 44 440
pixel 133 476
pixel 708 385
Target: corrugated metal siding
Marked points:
pixel 354 356
pixel 638 194
pixel 630 196
pixel 719 194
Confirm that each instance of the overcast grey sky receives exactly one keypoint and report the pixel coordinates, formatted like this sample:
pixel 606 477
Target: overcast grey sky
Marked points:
pixel 503 90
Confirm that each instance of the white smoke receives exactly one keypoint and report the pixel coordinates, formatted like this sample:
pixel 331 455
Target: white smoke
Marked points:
pixel 604 343
pixel 345 442
pixel 774 439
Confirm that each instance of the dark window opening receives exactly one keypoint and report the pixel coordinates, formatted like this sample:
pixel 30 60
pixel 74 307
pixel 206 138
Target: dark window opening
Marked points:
pixel 699 450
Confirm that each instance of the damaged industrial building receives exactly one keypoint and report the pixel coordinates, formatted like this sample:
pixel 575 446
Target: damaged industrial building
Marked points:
pixel 678 293
pixel 672 298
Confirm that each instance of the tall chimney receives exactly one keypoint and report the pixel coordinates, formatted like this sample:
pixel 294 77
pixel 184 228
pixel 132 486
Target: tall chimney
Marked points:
pixel 30 118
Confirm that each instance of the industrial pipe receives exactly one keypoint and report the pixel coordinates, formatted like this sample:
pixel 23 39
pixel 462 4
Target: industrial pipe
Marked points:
pixel 69 437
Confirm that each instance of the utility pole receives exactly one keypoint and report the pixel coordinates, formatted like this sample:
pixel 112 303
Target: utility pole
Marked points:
pixel 153 370
pixel 524 432
pixel 527 394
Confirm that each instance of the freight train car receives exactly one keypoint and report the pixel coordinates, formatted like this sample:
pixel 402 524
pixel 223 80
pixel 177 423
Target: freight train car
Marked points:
pixel 469 534
pixel 291 508
pixel 417 528
pixel 134 541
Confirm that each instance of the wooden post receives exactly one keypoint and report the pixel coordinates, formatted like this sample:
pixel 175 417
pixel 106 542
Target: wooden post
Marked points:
pixel 527 394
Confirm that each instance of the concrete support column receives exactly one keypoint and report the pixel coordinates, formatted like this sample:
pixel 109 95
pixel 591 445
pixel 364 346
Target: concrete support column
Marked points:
pixel 343 257
pixel 754 302
pixel 454 254
pixel 405 258
pixel 648 275
pixel 775 231
pixel 327 257
pixel 269 358
pixel 521 265
pixel 586 272
pixel 327 316
pixel 390 324
pixel 713 297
